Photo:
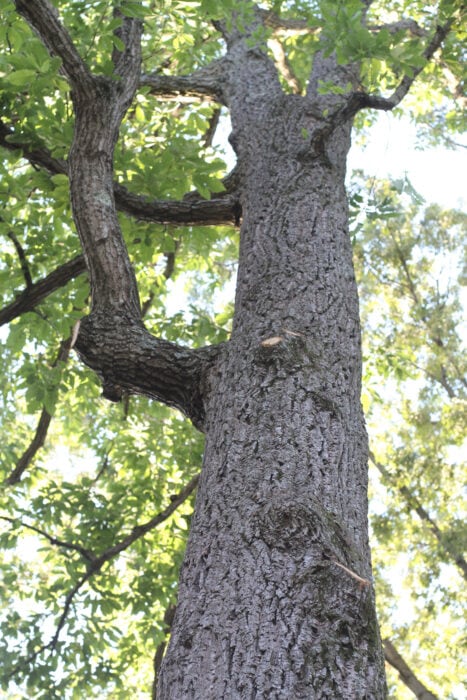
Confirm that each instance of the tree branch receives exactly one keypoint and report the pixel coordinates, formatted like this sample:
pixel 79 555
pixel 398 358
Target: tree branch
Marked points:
pixel 37 292
pixel 113 340
pixel 222 210
pixel 159 655
pixel 42 428
pixel 129 359
pixel 283 65
pixel 38 157
pixel 425 517
pixel 95 563
pixel 43 17
pixel 406 675
pixel 283 27
pixel 364 100
pixel 402 25
pixel 22 259
pixel 204 84
pixel 86 554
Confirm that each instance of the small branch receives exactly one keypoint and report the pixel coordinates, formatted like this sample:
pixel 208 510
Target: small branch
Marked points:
pixel 283 65
pixel 38 157
pixel 363 100
pixel 86 554
pixel 95 564
pixel 22 259
pixel 211 131
pixel 168 272
pixel 41 431
pixel 424 516
pixel 363 582
pixel 32 296
pixel 140 530
pixel 406 675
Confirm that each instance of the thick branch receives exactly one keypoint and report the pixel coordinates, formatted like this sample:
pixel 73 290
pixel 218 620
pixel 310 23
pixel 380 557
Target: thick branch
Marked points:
pixel 407 676
pixel 129 359
pixel 222 210
pixel 41 431
pixel 204 84
pixel 37 292
pixel 112 340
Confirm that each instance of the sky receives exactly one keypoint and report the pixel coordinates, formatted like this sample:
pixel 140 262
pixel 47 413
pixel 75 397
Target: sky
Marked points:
pixel 438 174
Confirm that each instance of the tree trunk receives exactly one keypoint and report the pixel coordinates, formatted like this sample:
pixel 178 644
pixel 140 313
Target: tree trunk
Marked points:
pixel 275 599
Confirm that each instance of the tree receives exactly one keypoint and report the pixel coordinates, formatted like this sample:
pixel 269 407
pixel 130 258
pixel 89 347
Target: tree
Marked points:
pixel 275 595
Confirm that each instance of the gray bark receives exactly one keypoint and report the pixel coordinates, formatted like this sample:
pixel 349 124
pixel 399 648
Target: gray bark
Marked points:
pixel 275 599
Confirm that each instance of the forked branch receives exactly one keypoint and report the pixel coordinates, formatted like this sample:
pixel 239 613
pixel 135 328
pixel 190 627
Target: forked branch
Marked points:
pixel 113 340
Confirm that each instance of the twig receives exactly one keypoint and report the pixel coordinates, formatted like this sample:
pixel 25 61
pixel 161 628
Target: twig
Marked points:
pixel 22 258
pixel 89 556
pixel 42 428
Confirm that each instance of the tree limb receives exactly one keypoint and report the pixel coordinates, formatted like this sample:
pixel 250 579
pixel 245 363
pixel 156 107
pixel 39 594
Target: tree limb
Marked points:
pixel 22 259
pixel 38 157
pixel 406 675
pixel 95 563
pixel 402 25
pixel 43 17
pixel 222 210
pixel 159 655
pixel 37 292
pixel 283 65
pixel 204 84
pixel 42 428
pixel 56 541
pixel 283 27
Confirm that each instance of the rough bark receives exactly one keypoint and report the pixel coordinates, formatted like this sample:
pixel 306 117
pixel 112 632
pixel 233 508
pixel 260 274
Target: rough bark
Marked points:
pixel 275 596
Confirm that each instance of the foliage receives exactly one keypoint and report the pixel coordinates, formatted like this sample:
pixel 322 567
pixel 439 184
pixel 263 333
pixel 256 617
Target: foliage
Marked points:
pixel 105 469
pixel 410 267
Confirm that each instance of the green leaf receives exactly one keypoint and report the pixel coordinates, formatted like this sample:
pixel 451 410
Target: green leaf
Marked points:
pixel 21 77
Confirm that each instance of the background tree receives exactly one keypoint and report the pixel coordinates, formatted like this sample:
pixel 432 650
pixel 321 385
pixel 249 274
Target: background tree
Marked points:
pixel 283 496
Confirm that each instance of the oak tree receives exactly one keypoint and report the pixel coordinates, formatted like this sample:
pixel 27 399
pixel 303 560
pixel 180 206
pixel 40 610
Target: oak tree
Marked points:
pixel 115 106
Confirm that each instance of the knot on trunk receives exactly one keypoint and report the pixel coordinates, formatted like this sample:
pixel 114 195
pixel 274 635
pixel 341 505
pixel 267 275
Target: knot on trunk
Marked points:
pixel 287 523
